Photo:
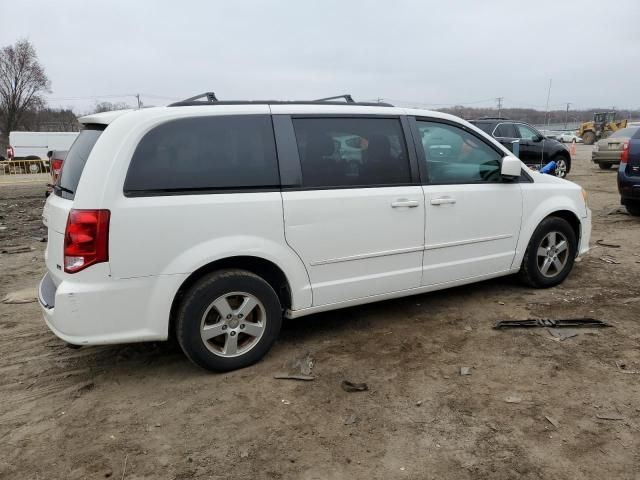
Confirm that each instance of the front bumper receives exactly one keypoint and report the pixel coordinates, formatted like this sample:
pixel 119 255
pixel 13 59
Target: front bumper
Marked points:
pixel 111 311
pixel 585 233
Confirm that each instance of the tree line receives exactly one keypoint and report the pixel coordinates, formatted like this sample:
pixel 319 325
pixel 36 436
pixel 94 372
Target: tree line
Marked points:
pixel 23 83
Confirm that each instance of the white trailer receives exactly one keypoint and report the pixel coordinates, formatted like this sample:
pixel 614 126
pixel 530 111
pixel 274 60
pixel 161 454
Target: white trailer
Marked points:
pixel 37 144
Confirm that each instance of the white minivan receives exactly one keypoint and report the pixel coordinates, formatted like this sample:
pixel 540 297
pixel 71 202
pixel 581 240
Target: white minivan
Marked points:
pixel 209 221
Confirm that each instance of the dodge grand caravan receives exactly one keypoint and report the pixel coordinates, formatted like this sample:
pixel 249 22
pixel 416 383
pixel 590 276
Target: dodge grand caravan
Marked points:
pixel 210 221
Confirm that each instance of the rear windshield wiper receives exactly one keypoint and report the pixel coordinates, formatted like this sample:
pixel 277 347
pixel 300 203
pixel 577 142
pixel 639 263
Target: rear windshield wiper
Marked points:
pixel 63 189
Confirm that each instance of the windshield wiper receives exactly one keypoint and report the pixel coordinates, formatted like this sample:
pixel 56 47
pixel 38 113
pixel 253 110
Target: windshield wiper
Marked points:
pixel 63 189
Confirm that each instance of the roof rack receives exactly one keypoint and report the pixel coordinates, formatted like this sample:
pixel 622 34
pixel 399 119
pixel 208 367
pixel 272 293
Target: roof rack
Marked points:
pixel 347 98
pixel 209 98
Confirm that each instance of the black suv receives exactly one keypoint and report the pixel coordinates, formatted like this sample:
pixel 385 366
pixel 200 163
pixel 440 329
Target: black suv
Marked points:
pixel 533 148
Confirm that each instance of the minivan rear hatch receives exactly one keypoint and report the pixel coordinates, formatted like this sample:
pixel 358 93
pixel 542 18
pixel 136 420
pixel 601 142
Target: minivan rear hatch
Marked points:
pixel 59 204
pixel 56 210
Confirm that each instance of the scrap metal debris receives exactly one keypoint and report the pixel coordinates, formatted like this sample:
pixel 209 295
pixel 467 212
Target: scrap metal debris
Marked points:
pixel 351 419
pixel 299 369
pixel 608 245
pixel 552 421
pixel 294 376
pixel 513 399
pixel 609 416
pixel 465 370
pixel 350 387
pixel 548 323
pixel 27 295
pixel 610 260
pixel 17 249
pixel 561 335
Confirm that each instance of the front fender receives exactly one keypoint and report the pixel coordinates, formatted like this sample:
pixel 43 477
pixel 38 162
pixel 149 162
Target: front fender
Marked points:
pixel 538 205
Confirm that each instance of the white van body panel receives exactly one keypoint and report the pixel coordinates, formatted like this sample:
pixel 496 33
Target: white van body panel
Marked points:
pixel 39 143
pixel 330 256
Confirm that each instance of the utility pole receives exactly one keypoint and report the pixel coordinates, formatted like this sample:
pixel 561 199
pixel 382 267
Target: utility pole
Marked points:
pixel 138 98
pixel 566 116
pixel 548 98
pixel 499 100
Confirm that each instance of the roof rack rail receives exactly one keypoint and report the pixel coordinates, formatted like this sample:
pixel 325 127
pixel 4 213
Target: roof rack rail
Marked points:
pixel 210 96
pixel 347 98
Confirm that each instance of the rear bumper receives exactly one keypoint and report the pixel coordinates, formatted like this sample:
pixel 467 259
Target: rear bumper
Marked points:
pixel 612 157
pixel 111 311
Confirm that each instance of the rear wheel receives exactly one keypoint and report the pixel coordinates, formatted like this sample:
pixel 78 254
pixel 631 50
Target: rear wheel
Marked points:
pixel 550 254
pixel 589 138
pixel 228 320
pixel 604 165
pixel 633 209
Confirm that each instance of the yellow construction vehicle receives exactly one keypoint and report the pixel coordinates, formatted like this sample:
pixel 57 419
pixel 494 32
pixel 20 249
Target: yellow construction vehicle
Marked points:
pixel 603 125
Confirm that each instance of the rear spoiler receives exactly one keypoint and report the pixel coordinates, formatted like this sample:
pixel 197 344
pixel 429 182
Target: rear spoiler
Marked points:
pixel 103 118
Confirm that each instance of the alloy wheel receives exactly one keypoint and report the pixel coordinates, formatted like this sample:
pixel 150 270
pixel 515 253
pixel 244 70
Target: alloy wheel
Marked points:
pixel 233 324
pixel 552 254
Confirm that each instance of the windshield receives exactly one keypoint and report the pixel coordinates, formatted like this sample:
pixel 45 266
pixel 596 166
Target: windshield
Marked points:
pixel 76 158
pixel 625 132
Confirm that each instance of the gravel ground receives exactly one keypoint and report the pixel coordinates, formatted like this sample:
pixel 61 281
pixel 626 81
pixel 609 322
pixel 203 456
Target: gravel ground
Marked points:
pixel 532 407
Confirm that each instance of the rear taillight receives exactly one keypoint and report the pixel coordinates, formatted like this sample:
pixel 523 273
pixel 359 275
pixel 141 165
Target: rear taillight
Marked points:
pixel 624 156
pixel 56 165
pixel 86 239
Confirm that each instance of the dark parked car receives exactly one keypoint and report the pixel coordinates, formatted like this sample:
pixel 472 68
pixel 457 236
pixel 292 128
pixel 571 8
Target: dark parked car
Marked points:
pixel 535 149
pixel 629 174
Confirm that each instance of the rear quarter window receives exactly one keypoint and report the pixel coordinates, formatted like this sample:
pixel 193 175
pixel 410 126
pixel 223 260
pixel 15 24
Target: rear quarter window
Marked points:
pixel 204 154
pixel 76 159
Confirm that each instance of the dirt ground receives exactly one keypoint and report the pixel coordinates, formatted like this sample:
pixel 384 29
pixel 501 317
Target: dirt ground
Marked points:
pixel 144 412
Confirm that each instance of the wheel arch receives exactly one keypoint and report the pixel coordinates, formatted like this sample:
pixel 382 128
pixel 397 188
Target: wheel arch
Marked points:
pixel 565 213
pixel 265 269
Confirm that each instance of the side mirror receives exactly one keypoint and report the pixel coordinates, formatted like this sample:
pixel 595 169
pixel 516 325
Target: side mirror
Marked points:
pixel 511 167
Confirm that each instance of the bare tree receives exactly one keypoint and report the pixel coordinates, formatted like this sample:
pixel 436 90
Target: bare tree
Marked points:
pixel 22 81
pixel 108 106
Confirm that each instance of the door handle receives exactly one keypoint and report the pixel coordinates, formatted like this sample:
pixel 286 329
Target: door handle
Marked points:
pixel 443 201
pixel 403 202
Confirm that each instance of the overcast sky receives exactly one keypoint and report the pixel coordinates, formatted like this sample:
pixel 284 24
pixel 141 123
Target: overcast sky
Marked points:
pixel 408 52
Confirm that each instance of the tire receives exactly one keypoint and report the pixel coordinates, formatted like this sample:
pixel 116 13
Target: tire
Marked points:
pixel 532 270
pixel 633 209
pixel 589 138
pixel 563 166
pixel 604 165
pixel 229 290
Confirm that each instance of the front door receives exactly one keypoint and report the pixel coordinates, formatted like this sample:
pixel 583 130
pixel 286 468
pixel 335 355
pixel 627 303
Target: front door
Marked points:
pixel 357 220
pixel 472 216
pixel 531 145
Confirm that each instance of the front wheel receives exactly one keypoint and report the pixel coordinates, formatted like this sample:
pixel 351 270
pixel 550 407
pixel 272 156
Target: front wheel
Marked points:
pixel 633 209
pixel 589 138
pixel 550 254
pixel 562 167
pixel 228 319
